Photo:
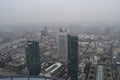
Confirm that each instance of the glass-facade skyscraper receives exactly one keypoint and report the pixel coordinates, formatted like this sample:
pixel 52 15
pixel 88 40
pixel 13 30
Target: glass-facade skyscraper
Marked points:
pixel 73 57
pixel 33 57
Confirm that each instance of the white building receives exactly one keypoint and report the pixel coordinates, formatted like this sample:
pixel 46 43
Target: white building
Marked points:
pixel 63 47
pixel 54 70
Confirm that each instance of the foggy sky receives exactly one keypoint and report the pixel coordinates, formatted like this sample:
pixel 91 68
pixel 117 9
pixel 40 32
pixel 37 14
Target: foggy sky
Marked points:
pixel 59 11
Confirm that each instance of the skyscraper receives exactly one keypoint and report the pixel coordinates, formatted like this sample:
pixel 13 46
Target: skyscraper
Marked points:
pixel 73 57
pixel 63 47
pixel 44 32
pixel 33 57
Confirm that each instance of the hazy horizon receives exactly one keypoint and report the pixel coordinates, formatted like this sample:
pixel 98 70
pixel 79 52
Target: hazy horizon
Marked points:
pixel 59 11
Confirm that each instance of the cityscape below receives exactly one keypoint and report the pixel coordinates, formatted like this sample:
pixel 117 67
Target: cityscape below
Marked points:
pixel 59 39
pixel 60 52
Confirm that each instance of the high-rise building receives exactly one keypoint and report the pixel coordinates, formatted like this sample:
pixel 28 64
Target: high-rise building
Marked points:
pixel 73 57
pixel 63 47
pixel 33 57
pixel 44 32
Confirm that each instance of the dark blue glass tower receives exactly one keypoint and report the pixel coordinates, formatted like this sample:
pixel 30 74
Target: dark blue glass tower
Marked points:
pixel 73 57
pixel 33 57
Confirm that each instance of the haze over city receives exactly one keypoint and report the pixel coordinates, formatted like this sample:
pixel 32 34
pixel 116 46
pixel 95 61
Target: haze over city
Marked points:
pixel 59 39
pixel 59 11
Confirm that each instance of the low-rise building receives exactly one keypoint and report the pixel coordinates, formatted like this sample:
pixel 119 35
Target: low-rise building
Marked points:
pixel 55 70
pixel 16 65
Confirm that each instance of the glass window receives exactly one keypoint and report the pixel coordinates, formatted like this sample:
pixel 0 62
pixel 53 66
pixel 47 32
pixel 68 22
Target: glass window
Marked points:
pixel 20 79
pixel 48 79
pixel 36 78
pixel 5 78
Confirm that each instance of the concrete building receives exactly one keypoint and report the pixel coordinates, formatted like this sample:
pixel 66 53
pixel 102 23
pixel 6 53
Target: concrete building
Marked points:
pixel 63 47
pixel 100 72
pixel 56 70
pixel 24 71
pixel 92 72
pixel 16 65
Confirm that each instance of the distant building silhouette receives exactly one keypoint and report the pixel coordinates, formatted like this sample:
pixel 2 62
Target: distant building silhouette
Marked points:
pixel 33 57
pixel 107 31
pixel 44 32
pixel 73 57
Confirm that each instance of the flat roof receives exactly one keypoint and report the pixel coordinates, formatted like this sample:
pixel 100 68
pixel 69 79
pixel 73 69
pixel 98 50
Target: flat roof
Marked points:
pixel 100 72
pixel 16 63
pixel 51 69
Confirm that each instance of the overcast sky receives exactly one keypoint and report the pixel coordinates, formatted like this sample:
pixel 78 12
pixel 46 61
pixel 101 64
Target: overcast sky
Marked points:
pixel 59 11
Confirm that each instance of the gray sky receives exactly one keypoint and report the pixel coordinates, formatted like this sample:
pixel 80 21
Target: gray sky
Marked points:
pixel 59 11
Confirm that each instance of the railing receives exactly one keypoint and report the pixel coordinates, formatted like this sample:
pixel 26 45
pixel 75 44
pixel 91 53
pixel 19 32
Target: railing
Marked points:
pixel 28 78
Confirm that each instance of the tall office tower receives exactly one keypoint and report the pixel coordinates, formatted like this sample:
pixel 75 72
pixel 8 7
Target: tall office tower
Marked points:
pixel 33 57
pixel 73 57
pixel 63 47
pixel 44 32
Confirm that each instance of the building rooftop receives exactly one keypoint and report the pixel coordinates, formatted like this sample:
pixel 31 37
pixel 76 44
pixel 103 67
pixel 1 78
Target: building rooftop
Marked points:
pixel 92 72
pixel 52 69
pixel 100 72
pixel 16 63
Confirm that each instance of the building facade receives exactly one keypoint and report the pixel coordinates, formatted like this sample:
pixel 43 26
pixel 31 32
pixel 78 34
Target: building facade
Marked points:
pixel 33 57
pixel 63 47
pixel 73 57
